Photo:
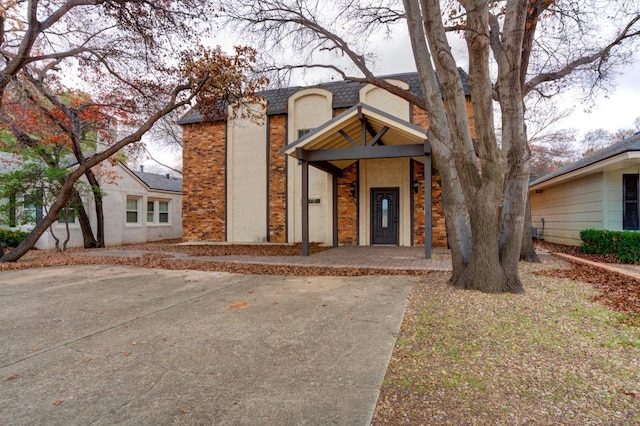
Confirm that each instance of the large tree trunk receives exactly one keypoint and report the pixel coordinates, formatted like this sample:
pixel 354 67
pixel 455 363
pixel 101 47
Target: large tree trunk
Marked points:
pixel 89 240
pixel 97 200
pixel 527 251
pixel 514 144
pixel 484 271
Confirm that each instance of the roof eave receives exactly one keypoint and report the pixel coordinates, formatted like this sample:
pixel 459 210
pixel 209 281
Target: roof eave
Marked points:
pixel 602 165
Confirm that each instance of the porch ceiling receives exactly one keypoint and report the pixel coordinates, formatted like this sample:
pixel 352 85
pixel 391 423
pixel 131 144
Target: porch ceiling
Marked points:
pixel 360 132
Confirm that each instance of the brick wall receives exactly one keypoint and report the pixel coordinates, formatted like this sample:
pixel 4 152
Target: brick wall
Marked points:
pixel 347 207
pixel 204 182
pixel 277 180
pixel 439 231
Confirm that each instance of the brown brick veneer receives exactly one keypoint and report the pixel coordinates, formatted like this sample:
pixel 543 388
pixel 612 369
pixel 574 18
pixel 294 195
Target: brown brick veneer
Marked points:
pixel 439 231
pixel 204 182
pixel 347 207
pixel 277 179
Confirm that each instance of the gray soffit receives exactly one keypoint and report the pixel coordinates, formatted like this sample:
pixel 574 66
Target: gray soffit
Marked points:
pixel 625 145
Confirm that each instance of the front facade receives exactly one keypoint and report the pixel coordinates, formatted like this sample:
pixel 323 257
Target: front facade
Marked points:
pixel 250 181
pixel 600 191
pixel 138 207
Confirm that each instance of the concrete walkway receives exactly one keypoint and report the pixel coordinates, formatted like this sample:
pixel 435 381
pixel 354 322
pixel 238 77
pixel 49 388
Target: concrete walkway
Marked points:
pixel 106 345
pixel 375 257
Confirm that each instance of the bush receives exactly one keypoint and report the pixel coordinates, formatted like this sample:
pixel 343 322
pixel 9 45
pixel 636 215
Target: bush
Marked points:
pixel 9 238
pixel 624 244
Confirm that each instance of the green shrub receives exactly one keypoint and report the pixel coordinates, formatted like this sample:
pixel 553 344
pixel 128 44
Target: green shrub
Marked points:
pixel 624 244
pixel 10 238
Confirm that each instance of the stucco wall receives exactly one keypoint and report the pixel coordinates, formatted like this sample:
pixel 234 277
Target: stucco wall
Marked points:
pixel 568 208
pixel 247 180
pixel 308 109
pixel 385 101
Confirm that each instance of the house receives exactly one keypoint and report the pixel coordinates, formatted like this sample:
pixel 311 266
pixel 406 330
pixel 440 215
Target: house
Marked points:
pixel 599 191
pixel 250 180
pixel 138 207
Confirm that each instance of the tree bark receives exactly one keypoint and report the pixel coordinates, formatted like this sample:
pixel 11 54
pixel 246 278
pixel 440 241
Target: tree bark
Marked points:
pixel 89 240
pixel 97 201
pixel 527 251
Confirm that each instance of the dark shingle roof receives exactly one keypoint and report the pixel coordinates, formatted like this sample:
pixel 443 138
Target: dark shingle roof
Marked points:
pixel 160 182
pixel 625 145
pixel 345 94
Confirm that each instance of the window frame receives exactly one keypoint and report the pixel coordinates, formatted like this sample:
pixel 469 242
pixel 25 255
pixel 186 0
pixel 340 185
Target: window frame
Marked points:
pixel 159 216
pixel 127 210
pixel 70 217
pixel 628 203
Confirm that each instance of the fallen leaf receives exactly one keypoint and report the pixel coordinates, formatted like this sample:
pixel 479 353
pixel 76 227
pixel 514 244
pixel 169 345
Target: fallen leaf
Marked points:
pixel 239 305
pixel 58 402
pixel 13 377
pixel 127 353
pixel 184 411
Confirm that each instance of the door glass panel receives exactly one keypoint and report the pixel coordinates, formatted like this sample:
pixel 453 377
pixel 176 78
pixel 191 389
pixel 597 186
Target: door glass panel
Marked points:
pixel 385 213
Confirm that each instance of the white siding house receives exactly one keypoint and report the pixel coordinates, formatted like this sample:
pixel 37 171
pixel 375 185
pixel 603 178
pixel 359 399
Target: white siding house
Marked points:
pixel 600 191
pixel 138 207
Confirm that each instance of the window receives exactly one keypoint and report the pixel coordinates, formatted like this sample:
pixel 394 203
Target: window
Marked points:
pixel 32 211
pixel 69 218
pixel 150 210
pixel 12 210
pixel 163 211
pixel 302 132
pixel 157 211
pixel 630 216
pixel 132 210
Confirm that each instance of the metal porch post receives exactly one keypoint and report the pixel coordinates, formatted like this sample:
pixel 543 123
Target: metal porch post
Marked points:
pixel 428 231
pixel 305 208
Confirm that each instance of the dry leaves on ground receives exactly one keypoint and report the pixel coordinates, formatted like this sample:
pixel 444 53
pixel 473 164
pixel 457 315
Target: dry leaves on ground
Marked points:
pixel 552 356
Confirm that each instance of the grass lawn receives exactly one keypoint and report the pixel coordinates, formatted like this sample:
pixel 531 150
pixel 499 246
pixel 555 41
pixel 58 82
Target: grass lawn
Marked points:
pixel 551 356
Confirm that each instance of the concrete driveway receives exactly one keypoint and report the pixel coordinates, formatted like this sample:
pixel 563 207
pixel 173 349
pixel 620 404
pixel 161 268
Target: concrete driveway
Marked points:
pixel 120 345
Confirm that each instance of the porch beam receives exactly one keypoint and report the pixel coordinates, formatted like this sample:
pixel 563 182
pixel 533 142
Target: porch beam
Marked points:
pixel 327 167
pixel 348 138
pixel 378 137
pixel 361 152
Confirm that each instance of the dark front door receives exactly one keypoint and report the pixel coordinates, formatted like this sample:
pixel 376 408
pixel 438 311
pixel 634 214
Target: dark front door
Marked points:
pixel 384 216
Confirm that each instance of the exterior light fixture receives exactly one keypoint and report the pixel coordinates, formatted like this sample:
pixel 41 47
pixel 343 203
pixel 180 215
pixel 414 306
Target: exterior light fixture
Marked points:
pixel 416 186
pixel 353 188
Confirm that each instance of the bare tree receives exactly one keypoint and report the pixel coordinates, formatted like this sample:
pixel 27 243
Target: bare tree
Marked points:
pixel 124 55
pixel 505 39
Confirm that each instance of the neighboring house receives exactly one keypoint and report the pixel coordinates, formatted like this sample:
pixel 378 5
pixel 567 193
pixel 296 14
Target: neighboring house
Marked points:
pixel 250 181
pixel 599 191
pixel 138 207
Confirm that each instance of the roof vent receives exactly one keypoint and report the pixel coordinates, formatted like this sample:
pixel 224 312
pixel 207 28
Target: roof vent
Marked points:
pixel 167 175
pixel 141 168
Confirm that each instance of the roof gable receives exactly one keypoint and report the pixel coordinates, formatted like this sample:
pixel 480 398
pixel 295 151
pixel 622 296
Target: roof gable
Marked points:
pixel 357 130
